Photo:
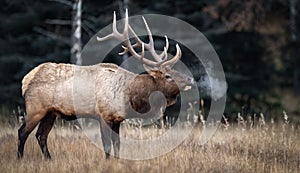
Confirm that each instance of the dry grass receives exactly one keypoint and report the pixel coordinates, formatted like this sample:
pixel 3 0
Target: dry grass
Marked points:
pixel 240 148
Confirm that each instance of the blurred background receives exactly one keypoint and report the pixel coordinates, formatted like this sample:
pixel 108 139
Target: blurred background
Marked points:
pixel 257 42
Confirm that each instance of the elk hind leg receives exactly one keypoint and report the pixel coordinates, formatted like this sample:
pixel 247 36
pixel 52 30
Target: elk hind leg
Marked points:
pixel 44 129
pixel 26 128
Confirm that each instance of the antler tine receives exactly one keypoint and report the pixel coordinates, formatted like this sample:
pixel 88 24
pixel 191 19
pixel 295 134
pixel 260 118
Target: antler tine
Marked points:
pixel 124 51
pixel 171 62
pixel 167 42
pixel 151 44
pixel 166 49
pixel 143 50
pixel 126 23
pixel 114 25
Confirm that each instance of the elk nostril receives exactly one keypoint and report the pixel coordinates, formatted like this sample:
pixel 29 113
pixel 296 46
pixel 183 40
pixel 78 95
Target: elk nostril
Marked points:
pixel 191 80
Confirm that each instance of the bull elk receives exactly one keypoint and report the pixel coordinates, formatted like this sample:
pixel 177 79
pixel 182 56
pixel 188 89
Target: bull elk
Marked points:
pixel 47 90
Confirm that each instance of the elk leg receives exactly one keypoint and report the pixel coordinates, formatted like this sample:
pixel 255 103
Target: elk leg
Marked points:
pixel 23 135
pixel 116 138
pixel 24 131
pixel 44 129
pixel 105 129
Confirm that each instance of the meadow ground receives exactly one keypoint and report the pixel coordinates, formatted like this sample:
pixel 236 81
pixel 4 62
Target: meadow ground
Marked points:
pixel 271 147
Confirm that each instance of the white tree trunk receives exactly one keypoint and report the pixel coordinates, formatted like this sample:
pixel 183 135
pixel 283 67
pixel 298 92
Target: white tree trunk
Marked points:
pixel 75 53
pixel 76 33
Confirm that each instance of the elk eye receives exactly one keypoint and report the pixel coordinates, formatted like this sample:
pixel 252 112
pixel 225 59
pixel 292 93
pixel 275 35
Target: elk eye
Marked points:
pixel 168 76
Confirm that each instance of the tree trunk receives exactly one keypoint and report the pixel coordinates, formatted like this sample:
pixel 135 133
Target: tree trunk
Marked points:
pixel 76 34
pixel 294 48
pixel 75 53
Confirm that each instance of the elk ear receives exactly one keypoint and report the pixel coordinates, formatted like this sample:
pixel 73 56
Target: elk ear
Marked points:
pixel 151 71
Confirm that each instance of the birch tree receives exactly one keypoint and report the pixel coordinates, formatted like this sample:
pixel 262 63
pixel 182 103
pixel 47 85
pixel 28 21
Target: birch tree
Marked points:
pixel 76 45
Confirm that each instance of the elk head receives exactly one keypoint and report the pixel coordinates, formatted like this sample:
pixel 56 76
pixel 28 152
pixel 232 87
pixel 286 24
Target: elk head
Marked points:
pixel 160 72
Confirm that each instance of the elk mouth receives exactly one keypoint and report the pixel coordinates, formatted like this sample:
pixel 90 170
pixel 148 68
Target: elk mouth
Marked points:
pixel 189 84
pixel 187 87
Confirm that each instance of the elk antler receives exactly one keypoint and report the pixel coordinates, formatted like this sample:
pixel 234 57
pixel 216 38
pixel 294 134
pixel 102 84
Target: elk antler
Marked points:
pixel 161 59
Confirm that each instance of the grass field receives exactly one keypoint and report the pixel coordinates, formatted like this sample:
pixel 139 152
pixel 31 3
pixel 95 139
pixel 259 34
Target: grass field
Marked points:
pixel 271 147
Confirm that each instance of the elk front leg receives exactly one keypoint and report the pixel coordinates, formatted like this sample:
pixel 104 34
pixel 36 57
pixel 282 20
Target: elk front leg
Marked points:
pixel 105 129
pixel 116 138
